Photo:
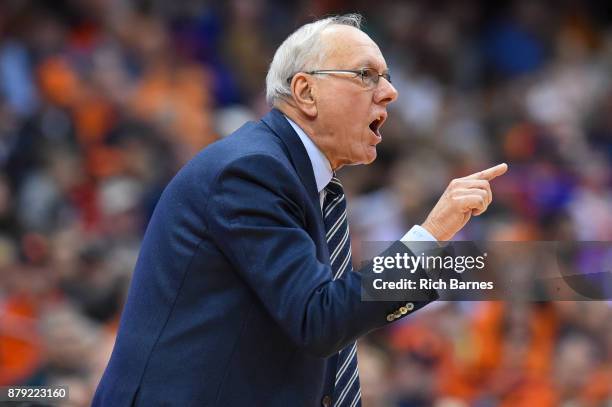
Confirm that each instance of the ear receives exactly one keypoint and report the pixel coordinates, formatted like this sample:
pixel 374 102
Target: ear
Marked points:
pixel 304 92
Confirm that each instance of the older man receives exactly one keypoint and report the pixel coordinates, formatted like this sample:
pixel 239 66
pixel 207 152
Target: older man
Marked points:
pixel 244 292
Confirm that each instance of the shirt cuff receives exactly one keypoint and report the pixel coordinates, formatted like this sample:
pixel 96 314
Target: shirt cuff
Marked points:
pixel 418 239
pixel 418 234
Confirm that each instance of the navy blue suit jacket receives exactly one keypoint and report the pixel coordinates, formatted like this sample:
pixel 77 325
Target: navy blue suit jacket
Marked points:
pixel 232 301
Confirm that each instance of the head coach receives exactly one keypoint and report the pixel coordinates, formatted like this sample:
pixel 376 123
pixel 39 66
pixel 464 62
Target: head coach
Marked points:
pixel 244 292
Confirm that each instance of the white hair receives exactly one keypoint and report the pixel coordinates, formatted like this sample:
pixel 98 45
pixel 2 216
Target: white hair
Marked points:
pixel 300 52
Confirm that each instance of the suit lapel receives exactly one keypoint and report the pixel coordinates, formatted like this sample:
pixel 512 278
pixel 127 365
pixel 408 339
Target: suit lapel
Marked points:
pixel 277 122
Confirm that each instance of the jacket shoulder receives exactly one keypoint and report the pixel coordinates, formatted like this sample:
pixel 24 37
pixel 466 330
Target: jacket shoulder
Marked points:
pixel 253 138
pixel 253 149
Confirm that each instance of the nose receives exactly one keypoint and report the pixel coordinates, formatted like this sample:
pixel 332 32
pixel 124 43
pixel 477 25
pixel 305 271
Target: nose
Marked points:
pixel 385 92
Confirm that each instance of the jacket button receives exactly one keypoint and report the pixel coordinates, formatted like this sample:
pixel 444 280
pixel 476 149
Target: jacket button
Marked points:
pixel 390 317
pixel 410 306
pixel 326 401
pixel 397 314
pixel 403 310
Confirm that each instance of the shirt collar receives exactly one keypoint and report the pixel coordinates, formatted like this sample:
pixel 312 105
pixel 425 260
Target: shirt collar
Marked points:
pixel 320 164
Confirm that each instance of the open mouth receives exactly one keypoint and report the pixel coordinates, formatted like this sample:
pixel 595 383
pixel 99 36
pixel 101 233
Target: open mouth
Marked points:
pixel 376 124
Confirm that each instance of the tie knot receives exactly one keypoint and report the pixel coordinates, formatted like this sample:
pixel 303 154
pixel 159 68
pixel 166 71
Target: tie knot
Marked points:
pixel 334 186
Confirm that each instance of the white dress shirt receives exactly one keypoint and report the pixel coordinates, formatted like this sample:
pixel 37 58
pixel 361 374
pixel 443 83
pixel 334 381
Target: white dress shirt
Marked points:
pixel 323 174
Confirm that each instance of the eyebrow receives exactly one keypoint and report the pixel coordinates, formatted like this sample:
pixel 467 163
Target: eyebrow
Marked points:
pixel 368 63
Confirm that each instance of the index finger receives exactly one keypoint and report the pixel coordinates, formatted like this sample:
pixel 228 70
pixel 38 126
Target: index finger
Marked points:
pixel 490 173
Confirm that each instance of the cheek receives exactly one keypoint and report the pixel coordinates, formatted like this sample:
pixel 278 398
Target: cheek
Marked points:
pixel 357 138
pixel 360 137
pixel 353 107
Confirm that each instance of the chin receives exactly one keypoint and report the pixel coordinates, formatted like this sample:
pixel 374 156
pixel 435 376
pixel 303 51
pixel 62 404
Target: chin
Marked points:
pixel 371 154
pixel 369 158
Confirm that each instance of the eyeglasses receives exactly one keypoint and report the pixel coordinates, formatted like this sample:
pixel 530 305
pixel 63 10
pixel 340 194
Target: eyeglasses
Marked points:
pixel 369 76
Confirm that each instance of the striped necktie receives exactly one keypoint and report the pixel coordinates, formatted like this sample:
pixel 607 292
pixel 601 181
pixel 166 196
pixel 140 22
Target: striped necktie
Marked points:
pixel 346 391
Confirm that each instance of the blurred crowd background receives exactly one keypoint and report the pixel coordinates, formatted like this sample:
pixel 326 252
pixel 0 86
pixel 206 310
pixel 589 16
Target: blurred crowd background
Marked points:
pixel 102 101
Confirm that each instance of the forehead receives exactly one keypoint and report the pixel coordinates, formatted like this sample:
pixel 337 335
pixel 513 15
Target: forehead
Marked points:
pixel 348 47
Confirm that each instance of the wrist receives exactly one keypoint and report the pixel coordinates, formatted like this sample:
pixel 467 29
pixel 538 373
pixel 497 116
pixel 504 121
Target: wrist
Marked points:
pixel 435 231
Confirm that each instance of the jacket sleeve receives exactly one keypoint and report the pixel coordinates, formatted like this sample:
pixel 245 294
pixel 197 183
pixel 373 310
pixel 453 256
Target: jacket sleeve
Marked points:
pixel 256 216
